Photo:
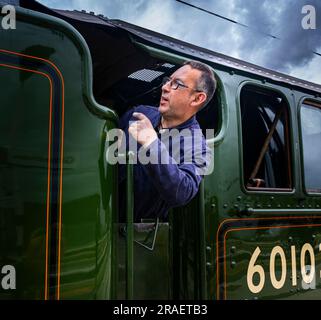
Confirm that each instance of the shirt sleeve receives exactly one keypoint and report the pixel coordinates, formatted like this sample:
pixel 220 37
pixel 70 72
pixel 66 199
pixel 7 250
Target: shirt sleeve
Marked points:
pixel 177 183
pixel 124 119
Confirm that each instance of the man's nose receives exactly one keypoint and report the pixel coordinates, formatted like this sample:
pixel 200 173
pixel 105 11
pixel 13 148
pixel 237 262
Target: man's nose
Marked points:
pixel 166 86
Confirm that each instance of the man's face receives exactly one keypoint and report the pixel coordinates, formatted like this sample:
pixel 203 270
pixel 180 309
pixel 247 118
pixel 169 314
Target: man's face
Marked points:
pixel 177 103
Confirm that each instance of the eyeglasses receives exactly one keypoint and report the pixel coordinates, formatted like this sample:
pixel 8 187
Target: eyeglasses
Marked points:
pixel 174 84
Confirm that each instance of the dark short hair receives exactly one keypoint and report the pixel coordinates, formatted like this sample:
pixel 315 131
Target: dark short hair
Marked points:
pixel 207 82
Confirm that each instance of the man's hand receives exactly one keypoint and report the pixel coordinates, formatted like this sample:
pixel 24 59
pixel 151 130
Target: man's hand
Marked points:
pixel 142 130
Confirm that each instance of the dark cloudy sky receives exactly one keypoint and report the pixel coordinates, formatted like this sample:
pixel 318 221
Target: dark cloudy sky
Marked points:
pixel 291 52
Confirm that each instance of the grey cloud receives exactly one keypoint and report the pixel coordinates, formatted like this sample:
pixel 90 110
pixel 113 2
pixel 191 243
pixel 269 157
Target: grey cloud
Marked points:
pixel 281 18
pixel 296 45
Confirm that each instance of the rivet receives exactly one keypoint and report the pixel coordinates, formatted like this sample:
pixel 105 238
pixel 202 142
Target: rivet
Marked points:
pixel 233 249
pixel 213 205
pixel 238 198
pixel 225 205
pixel 208 248
pixel 272 198
pixel 233 264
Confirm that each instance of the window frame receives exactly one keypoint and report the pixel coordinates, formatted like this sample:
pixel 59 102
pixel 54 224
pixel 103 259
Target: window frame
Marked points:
pixel 300 104
pixel 291 151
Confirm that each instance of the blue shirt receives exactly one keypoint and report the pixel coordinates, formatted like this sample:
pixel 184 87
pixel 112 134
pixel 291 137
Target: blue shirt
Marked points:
pixel 167 180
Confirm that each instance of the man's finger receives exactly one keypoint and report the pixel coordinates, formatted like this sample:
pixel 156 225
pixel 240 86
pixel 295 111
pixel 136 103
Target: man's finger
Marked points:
pixel 139 116
pixel 132 130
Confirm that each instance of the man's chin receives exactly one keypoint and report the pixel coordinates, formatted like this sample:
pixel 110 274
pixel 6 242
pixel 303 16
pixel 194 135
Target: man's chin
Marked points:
pixel 162 109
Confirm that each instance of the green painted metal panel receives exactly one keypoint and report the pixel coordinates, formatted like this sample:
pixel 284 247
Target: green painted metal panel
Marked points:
pixel 286 266
pixel 58 212
pixel 57 195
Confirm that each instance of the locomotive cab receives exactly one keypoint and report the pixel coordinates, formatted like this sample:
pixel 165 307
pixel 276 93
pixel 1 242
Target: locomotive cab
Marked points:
pixel 168 249
pixel 167 256
pixel 96 71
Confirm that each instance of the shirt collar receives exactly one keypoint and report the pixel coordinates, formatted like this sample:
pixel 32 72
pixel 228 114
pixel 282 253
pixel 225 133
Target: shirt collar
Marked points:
pixel 183 125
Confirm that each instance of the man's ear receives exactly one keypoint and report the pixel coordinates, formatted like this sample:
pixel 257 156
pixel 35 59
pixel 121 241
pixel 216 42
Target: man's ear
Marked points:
pixel 199 99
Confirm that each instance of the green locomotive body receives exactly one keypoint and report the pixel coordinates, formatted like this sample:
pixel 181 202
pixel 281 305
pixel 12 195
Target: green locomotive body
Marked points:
pixel 253 230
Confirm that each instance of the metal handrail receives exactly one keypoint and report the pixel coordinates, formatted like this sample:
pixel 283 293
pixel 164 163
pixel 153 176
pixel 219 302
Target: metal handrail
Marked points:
pixel 250 211
pixel 130 228
pixel 202 243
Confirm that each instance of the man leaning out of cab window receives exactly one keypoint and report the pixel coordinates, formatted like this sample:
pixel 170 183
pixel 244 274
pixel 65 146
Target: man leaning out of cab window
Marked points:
pixel 170 138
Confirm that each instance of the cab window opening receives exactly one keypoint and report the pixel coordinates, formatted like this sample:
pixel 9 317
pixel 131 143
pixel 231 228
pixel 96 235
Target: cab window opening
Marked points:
pixel 125 76
pixel 310 118
pixel 266 141
pixel 143 87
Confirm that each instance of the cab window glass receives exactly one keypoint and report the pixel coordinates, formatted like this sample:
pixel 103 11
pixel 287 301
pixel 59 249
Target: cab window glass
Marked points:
pixel 265 138
pixel 311 144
